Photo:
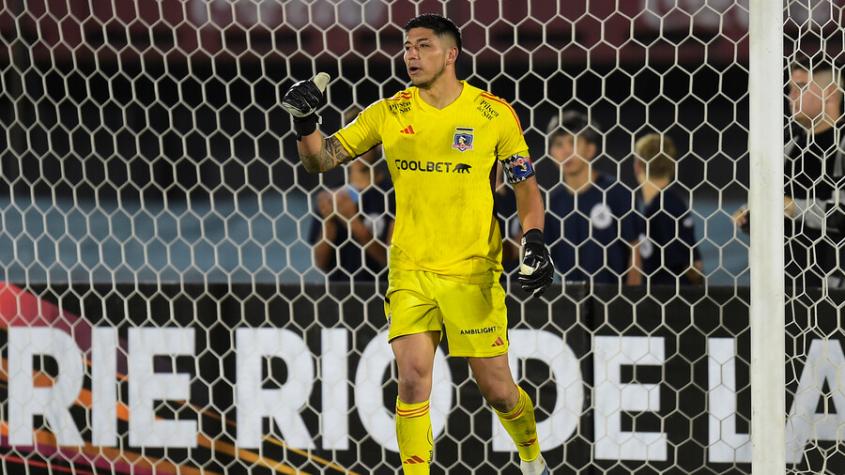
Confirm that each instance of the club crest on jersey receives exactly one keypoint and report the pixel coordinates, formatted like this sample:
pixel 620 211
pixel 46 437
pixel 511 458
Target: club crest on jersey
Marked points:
pixel 463 139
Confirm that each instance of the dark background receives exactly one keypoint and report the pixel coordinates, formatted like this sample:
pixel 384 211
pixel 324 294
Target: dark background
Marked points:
pixel 175 100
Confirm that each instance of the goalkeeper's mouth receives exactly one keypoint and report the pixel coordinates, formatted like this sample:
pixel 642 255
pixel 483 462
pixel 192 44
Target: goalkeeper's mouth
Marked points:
pixel 414 70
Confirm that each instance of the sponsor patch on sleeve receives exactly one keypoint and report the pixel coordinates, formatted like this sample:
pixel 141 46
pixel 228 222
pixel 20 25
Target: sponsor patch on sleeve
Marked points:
pixel 518 168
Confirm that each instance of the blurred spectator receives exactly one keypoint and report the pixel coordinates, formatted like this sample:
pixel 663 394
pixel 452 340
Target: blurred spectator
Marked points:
pixel 667 231
pixel 354 222
pixel 590 219
pixel 813 169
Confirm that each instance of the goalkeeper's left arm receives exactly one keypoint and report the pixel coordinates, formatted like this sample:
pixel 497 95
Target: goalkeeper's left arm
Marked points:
pixel 536 270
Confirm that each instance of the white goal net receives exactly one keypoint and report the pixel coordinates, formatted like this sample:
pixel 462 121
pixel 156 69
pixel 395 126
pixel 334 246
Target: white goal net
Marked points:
pixel 178 295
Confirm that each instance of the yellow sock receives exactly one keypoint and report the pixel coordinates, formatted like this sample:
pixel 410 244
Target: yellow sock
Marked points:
pixel 520 424
pixel 413 432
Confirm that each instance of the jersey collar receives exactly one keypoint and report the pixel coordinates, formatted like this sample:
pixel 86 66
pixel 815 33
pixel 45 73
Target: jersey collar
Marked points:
pixel 426 107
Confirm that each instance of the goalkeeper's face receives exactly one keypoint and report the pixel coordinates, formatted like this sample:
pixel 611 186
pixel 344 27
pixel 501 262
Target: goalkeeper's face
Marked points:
pixel 427 56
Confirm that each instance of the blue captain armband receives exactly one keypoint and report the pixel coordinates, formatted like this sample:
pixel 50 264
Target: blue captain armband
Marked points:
pixel 518 168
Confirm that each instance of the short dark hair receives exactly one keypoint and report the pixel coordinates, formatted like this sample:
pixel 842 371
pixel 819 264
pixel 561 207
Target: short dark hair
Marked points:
pixel 574 123
pixel 815 63
pixel 440 25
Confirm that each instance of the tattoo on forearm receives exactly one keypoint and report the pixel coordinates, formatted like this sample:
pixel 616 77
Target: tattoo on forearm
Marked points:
pixel 331 155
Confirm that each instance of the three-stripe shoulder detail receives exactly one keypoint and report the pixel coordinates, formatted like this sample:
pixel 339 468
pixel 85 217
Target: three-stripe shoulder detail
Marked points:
pixel 505 103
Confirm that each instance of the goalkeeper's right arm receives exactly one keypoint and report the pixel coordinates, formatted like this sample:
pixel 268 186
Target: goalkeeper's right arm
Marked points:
pixel 318 154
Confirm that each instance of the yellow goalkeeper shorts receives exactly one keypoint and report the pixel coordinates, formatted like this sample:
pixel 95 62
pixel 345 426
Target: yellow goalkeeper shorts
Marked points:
pixel 474 316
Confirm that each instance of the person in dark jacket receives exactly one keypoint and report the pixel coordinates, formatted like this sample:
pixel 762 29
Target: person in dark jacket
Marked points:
pixel 591 220
pixel 813 177
pixel 354 223
pixel 668 253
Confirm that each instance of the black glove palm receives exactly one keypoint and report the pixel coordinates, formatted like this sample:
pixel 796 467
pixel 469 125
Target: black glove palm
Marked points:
pixel 536 270
pixel 302 101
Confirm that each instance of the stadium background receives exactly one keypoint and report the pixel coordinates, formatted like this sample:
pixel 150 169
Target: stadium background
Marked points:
pixel 182 101
pixel 150 179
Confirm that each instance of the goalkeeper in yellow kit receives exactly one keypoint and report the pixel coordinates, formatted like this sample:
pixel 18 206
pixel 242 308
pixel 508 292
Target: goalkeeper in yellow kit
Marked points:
pixel 442 138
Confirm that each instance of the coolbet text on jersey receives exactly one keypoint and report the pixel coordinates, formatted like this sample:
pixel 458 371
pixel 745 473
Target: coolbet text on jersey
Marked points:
pixel 442 162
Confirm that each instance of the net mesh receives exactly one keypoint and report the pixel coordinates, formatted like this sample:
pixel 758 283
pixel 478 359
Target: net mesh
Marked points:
pixel 171 301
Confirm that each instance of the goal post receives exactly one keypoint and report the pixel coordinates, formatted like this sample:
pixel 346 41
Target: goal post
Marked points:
pixel 766 253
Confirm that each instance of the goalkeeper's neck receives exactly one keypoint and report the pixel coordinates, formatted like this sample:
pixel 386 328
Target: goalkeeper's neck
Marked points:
pixel 443 90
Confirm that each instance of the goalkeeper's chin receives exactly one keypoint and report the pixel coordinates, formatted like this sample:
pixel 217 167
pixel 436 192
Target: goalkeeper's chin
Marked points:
pixel 418 79
pixel 419 82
